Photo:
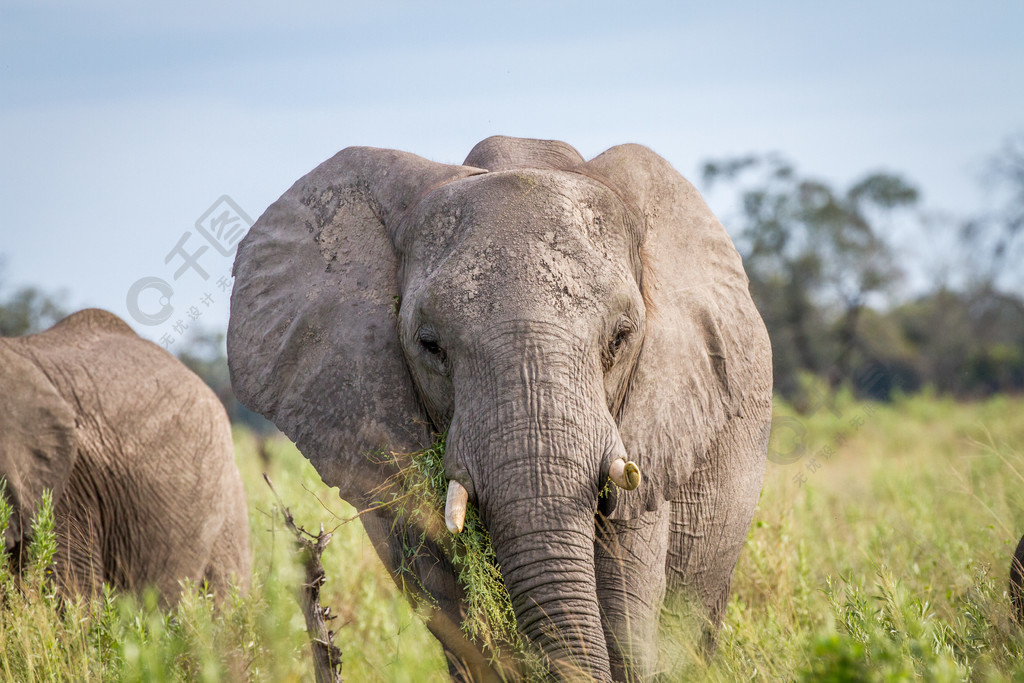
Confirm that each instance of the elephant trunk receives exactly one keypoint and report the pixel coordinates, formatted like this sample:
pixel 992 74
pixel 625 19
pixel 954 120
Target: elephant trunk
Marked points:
pixel 532 437
pixel 545 548
pixel 538 496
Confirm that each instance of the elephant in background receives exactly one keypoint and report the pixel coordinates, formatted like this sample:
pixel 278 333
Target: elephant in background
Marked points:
pixel 137 451
pixel 1017 582
pixel 568 323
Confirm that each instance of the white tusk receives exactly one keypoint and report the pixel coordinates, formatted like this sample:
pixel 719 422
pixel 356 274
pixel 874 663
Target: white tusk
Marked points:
pixel 625 475
pixel 455 507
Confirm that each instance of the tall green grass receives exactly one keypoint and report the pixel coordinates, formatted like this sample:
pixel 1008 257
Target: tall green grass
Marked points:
pixel 889 558
pixel 260 636
pixel 880 552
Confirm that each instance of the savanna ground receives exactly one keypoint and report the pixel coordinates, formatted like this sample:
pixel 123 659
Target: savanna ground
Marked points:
pixel 880 553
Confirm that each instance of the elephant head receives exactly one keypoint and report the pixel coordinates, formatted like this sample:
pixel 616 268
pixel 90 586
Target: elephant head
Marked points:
pixel 561 319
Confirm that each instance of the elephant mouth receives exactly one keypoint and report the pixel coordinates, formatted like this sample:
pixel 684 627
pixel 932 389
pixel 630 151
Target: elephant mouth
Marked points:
pixel 509 624
pixel 622 473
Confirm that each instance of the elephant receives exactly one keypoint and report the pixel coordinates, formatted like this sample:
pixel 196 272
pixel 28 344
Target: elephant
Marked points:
pixel 1017 582
pixel 138 455
pixel 565 323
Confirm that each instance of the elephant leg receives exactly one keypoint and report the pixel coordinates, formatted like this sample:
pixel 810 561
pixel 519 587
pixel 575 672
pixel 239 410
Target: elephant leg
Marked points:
pixel 709 522
pixel 229 560
pixel 629 560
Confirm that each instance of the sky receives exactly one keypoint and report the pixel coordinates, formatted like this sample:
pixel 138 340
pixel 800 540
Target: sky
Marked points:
pixel 122 125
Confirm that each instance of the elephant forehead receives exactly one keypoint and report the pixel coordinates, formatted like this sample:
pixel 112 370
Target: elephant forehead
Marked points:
pixel 526 200
pixel 536 240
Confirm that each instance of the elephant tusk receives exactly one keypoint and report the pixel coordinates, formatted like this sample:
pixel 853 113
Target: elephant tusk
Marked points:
pixel 455 507
pixel 625 475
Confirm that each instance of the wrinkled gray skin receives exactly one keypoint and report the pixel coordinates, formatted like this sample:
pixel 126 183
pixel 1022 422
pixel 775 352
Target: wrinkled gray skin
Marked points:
pixel 137 451
pixel 1017 582
pixel 554 315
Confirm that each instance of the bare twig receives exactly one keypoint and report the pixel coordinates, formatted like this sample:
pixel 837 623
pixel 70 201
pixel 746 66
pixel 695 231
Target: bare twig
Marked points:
pixel 326 655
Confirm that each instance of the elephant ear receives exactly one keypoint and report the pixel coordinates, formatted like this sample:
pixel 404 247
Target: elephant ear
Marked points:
pixel 38 445
pixel 501 153
pixel 704 344
pixel 312 338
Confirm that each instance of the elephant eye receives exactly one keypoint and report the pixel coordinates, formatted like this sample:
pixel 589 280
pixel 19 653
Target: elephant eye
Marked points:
pixel 621 337
pixel 429 344
pixel 618 340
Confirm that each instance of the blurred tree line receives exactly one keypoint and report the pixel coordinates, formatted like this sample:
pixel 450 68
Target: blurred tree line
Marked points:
pixel 823 272
pixel 824 275
pixel 205 353
pixel 26 310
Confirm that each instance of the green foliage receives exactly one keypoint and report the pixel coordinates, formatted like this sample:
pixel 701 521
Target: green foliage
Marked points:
pixel 814 255
pixel 42 548
pixel 489 614
pixel 820 258
pixel 257 637
pixel 885 561
pixel 837 660
pixel 967 344
pixel 420 502
pixel 881 553
pixel 5 508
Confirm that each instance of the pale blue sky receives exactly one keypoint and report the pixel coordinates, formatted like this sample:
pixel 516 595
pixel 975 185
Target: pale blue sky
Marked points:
pixel 120 125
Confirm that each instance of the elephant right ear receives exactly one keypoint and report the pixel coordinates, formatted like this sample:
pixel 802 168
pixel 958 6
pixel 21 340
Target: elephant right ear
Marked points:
pixel 313 334
pixel 38 446
pixel 706 352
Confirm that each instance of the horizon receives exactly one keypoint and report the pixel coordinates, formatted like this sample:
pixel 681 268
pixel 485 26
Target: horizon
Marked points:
pixel 121 127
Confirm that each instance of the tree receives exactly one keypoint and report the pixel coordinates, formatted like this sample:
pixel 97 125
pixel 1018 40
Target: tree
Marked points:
pixel 27 310
pixel 994 238
pixel 814 256
pixel 205 354
pixel 967 344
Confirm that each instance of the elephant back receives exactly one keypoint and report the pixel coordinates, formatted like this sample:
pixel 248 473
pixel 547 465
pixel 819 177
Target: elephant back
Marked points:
pixel 119 429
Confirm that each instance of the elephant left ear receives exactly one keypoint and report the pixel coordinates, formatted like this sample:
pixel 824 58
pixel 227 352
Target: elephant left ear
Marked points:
pixel 705 347
pixel 313 341
pixel 38 445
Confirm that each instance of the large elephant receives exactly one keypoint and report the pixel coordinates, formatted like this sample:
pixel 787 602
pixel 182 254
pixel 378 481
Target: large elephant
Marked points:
pixel 566 322
pixel 137 451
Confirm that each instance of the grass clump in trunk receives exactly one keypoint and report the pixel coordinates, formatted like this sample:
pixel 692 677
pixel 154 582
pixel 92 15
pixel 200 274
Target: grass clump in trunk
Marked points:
pixel 490 620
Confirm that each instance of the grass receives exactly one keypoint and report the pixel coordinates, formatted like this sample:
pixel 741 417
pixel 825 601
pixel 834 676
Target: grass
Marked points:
pixel 880 552
pixel 259 637
pixel 423 488
pixel 883 552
